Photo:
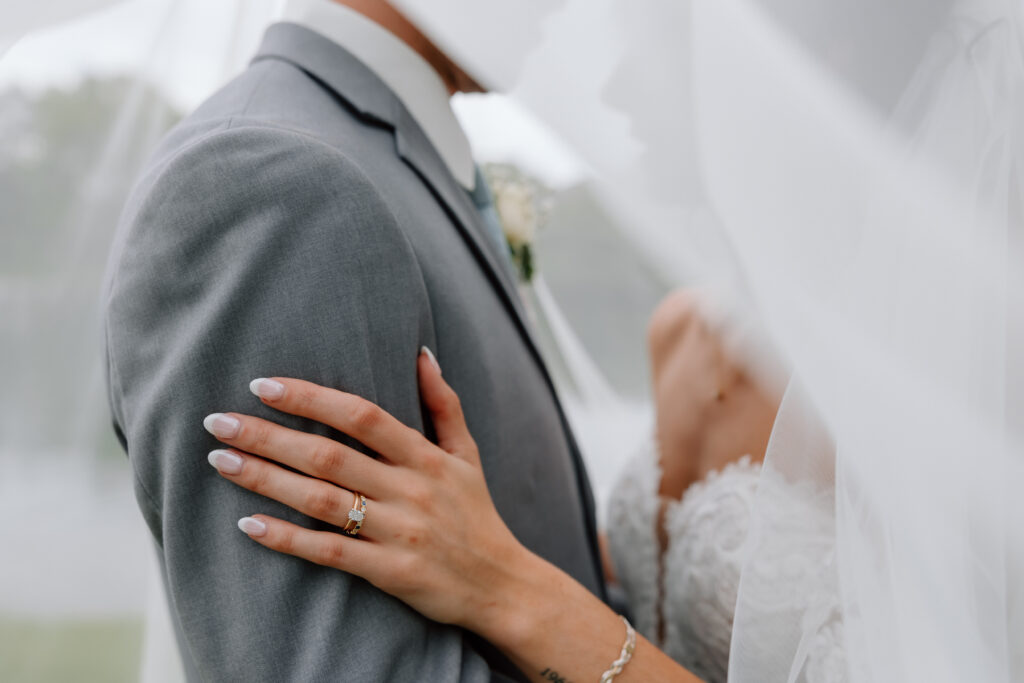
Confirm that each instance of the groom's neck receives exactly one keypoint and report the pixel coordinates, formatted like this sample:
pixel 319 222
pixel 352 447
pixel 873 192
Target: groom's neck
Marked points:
pixel 385 14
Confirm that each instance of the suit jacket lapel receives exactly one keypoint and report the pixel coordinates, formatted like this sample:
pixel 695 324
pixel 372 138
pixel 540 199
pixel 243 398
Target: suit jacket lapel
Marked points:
pixel 352 81
pixel 417 151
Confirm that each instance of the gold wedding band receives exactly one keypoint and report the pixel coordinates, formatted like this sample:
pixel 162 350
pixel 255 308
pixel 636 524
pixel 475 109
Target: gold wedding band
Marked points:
pixel 357 515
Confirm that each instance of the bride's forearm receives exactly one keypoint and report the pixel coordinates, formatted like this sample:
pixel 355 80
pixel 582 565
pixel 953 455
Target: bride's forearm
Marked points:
pixel 554 629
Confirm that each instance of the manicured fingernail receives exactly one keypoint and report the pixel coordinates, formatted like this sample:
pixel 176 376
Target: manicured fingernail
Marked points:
pixel 430 356
pixel 267 388
pixel 222 426
pixel 226 461
pixel 252 526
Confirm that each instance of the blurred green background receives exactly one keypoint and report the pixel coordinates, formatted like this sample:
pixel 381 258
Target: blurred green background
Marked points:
pixel 86 651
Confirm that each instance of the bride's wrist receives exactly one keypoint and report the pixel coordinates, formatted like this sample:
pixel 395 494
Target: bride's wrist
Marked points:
pixel 550 625
pixel 515 602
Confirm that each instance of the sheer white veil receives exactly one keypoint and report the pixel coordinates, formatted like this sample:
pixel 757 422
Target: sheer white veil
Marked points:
pixel 21 19
pixel 886 257
pixel 845 177
pixel 85 94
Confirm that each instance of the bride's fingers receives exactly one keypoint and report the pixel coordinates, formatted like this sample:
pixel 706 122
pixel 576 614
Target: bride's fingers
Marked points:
pixel 312 497
pixel 348 413
pixel 323 547
pixel 445 409
pixel 315 455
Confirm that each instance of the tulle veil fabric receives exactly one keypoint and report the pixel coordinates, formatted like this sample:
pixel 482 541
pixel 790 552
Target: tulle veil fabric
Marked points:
pixel 907 352
pixel 78 569
pixel 844 179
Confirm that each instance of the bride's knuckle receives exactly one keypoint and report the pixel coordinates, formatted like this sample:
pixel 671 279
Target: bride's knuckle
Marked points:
pixel 431 461
pixel 401 572
pixel 259 479
pixel 419 497
pixel 445 403
pixel 322 503
pixel 327 459
pixel 418 533
pixel 284 541
pixel 305 397
pixel 365 416
pixel 259 436
pixel 409 566
pixel 453 404
pixel 330 553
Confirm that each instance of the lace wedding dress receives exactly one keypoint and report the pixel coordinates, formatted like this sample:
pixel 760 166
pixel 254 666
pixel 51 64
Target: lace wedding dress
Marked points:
pixel 683 601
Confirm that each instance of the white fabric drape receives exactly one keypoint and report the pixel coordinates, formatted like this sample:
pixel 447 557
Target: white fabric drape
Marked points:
pixel 845 176
pixel 86 90
pixel 20 19
pixel 848 175
pixel 882 254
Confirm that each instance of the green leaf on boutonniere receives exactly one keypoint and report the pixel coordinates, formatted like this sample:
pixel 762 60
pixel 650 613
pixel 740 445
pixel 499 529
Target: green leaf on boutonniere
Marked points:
pixel 523 205
pixel 522 258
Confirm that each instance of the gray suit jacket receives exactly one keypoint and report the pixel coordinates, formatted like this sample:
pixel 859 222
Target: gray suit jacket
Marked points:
pixel 300 224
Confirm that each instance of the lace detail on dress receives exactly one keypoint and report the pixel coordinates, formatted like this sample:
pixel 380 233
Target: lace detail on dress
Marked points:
pixel 707 530
pixel 708 534
pixel 791 591
pixel 632 538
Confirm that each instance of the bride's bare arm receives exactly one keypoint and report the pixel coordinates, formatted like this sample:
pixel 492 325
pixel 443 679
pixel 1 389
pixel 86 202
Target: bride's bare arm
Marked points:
pixel 431 534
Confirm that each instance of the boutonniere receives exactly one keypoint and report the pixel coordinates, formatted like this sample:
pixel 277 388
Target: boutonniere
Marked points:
pixel 523 205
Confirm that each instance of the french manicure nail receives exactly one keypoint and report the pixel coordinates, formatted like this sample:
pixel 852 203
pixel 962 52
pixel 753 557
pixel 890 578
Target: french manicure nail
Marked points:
pixel 267 388
pixel 222 426
pixel 226 461
pixel 430 356
pixel 251 526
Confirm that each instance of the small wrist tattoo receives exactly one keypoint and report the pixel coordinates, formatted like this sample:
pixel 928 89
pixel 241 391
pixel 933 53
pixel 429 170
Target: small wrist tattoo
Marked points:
pixel 553 676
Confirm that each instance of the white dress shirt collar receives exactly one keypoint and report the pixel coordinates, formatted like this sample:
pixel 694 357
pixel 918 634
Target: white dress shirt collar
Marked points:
pixel 412 79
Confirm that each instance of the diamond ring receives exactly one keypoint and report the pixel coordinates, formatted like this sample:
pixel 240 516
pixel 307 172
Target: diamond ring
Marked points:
pixel 357 515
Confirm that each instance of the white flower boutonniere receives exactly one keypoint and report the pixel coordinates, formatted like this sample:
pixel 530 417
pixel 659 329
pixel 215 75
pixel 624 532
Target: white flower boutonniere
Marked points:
pixel 523 205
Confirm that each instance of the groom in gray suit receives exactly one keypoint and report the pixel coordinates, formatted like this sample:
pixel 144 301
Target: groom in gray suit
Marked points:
pixel 319 218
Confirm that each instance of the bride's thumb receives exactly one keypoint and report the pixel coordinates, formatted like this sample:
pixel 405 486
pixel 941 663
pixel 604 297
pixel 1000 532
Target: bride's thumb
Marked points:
pixel 444 406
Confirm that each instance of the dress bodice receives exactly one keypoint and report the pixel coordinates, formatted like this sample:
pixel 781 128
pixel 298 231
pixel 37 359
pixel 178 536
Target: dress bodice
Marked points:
pixel 694 592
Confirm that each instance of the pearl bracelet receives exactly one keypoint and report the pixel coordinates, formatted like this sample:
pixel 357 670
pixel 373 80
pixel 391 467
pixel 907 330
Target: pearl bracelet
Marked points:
pixel 628 648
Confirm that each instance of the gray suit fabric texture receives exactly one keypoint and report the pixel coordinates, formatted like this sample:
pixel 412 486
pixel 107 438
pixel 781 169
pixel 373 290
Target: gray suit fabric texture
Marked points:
pixel 300 224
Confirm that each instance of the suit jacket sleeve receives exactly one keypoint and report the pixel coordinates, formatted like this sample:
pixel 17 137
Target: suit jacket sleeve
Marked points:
pixel 258 252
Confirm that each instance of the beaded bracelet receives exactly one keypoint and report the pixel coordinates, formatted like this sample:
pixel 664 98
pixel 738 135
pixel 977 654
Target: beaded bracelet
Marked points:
pixel 628 648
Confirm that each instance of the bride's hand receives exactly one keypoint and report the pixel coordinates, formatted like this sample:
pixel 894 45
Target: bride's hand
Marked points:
pixel 431 535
